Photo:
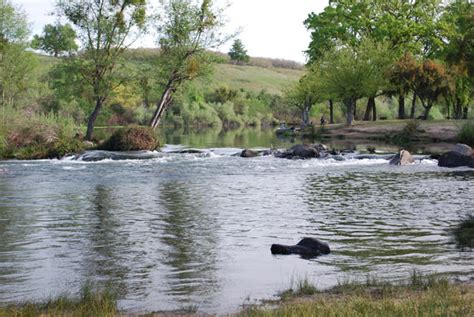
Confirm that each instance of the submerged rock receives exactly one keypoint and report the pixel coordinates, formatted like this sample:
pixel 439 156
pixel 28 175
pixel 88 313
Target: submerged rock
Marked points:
pixel 306 247
pixel 95 156
pixel 402 158
pixel 461 155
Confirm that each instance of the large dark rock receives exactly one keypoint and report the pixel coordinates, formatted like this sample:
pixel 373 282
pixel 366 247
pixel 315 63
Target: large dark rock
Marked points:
pixel 461 155
pixel 300 151
pixel 306 247
pixel 402 158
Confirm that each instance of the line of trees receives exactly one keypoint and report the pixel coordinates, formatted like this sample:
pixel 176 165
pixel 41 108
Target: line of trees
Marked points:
pixel 423 50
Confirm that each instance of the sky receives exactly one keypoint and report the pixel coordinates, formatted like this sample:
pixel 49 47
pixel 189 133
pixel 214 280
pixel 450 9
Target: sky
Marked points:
pixel 269 28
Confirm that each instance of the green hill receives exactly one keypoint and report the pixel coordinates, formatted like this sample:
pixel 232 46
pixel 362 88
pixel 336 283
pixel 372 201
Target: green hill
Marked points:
pixel 254 78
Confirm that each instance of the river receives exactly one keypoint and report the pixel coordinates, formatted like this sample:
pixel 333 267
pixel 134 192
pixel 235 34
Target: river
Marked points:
pixel 194 230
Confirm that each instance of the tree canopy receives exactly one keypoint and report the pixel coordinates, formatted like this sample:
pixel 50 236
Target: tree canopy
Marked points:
pixel 56 40
pixel 238 53
pixel 104 29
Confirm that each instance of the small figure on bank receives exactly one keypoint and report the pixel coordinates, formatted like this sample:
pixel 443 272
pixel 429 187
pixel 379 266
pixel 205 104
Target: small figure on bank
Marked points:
pixel 323 120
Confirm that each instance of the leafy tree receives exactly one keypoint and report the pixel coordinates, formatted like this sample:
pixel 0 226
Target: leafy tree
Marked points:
pixel 16 64
pixel 303 95
pixel 349 74
pixel 104 28
pixel 56 40
pixel 402 75
pixel 238 53
pixel 431 81
pixel 187 29
pixel 13 24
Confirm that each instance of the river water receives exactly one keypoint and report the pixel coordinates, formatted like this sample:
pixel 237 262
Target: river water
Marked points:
pixel 194 230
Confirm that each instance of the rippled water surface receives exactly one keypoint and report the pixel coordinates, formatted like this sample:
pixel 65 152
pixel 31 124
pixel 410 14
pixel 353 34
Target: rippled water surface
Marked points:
pixel 195 230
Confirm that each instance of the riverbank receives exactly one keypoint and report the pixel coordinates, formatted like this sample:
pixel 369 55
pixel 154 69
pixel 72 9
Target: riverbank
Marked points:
pixel 420 296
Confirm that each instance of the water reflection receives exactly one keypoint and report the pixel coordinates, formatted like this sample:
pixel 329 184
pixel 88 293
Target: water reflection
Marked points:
pixel 190 239
pixel 108 240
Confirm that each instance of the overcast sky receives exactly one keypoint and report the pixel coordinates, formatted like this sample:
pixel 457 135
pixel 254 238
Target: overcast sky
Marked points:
pixel 270 28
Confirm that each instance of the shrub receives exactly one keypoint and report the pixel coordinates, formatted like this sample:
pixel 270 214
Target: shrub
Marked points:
pixel 131 139
pixel 466 134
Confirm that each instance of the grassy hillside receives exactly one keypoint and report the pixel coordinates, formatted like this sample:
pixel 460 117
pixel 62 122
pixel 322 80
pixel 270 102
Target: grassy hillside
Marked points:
pixel 254 78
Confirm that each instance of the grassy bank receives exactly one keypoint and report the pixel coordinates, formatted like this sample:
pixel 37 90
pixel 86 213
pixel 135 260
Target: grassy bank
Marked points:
pixel 91 302
pixel 422 296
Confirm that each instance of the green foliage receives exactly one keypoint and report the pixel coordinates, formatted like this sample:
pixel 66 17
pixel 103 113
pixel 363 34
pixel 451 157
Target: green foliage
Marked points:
pixel 407 26
pixel 466 134
pixel 33 136
pixel 16 73
pixel 132 138
pixel 238 53
pixel 348 74
pixel 56 40
pixel 14 27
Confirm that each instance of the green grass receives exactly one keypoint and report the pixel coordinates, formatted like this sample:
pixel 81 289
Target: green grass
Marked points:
pixel 420 296
pixel 91 302
pixel 252 78
pixel 466 133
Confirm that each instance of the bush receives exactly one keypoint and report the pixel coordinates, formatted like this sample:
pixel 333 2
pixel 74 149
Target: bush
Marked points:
pixel 131 139
pixel 466 134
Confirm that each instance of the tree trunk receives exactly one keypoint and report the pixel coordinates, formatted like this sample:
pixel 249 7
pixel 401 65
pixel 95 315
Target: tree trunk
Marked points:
pixel 93 117
pixel 370 109
pixel 350 104
pixel 465 112
pixel 427 110
pixel 374 115
pixel 305 113
pixel 401 107
pixel 162 105
pixel 413 107
pixel 354 105
pixel 331 112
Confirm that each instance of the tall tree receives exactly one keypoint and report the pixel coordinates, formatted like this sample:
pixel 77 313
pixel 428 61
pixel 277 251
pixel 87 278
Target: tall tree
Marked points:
pixel 56 40
pixel 238 53
pixel 348 74
pixel 187 29
pixel 430 82
pixel 304 94
pixel 104 28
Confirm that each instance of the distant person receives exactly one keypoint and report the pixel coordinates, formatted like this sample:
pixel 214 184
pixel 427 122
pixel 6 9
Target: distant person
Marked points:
pixel 323 120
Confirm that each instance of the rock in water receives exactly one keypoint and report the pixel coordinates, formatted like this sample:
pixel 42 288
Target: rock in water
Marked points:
pixel 460 155
pixel 300 151
pixel 402 158
pixel 249 153
pixel 306 247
